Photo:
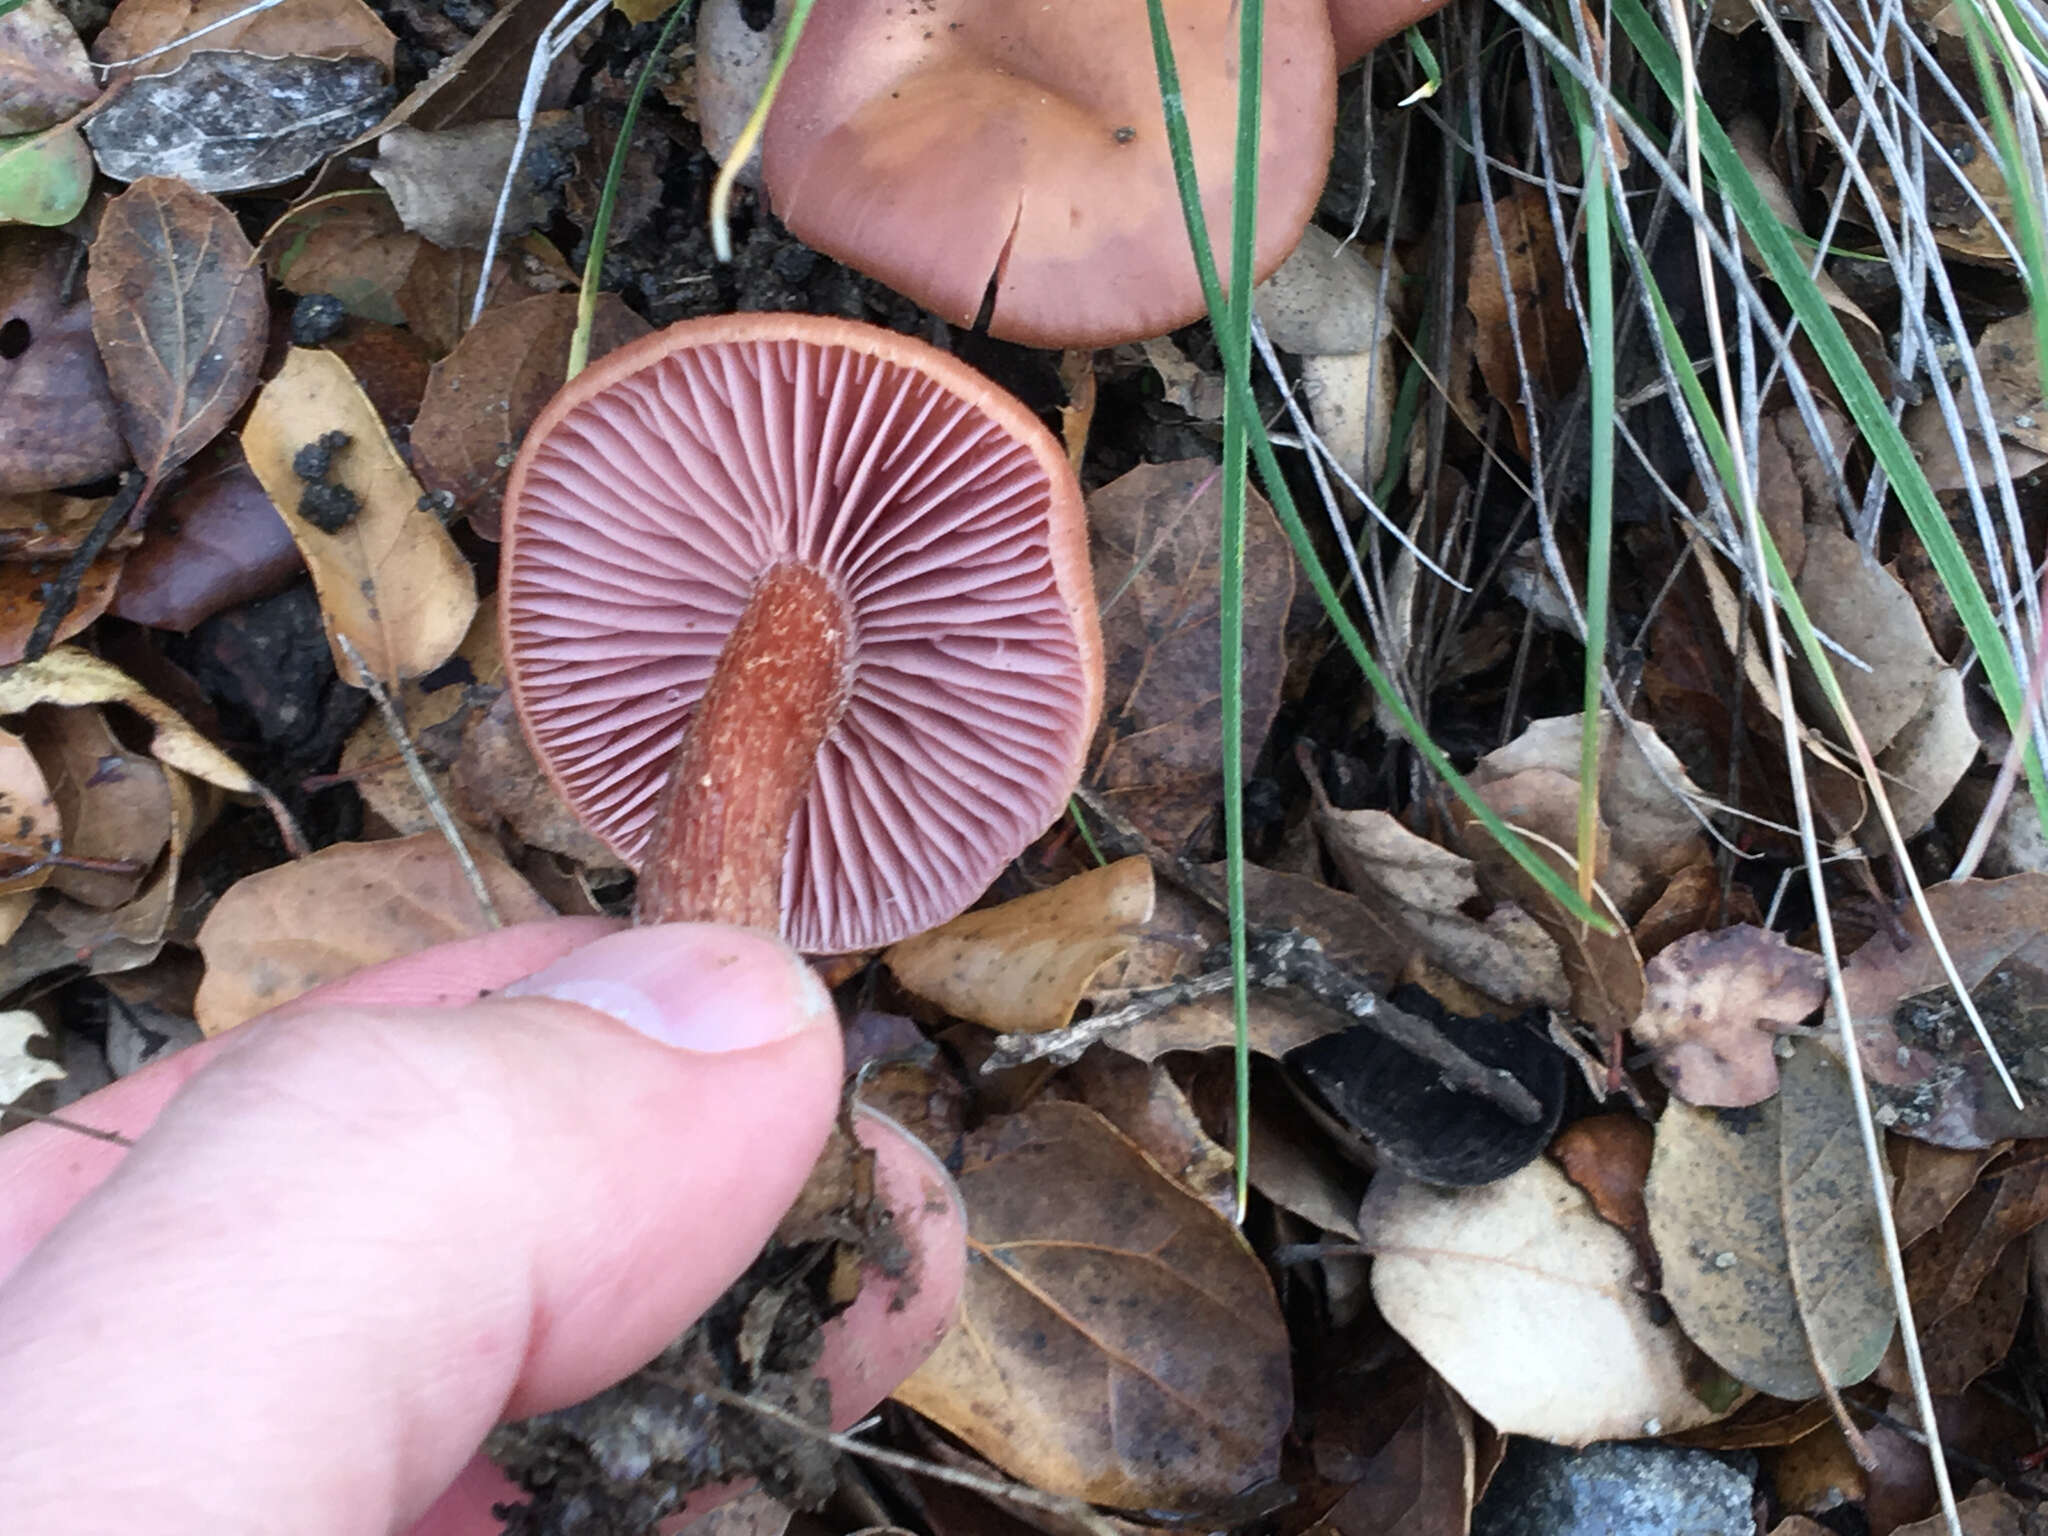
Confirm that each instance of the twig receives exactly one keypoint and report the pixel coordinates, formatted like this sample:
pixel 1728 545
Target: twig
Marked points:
pixel 62 1124
pixel 422 781
pixel 1078 1510
pixel 61 595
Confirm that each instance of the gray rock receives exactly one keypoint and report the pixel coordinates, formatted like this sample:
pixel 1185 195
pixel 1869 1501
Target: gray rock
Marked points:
pixel 1617 1489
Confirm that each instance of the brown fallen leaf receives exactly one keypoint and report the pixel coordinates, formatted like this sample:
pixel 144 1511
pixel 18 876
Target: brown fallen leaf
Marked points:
pixel 440 286
pixel 31 828
pixel 179 315
pixel 483 396
pixel 389 578
pixel 444 184
pixel 57 424
pixel 1949 1265
pixel 1929 1182
pixel 1528 1304
pixel 22 592
pixel 496 778
pixel 1024 966
pixel 1420 1483
pixel 327 29
pixel 1974 1336
pixel 45 76
pixel 286 930
pixel 1608 1156
pixel 217 543
pixel 437 709
pixel 116 805
pixel 1992 1513
pixel 1535 295
pixel 48 525
pixel 1117 1341
pixel 1713 1007
pixel 1154 541
pixel 1769 1241
pixel 1867 611
pixel 1145 1104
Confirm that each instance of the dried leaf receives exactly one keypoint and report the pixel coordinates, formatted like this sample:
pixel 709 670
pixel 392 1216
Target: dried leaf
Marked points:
pixel 116 805
pixel 56 415
pixel 1926 760
pixel 390 578
pixel 1024 966
pixel 1155 533
pixel 438 710
pixel 217 543
pixel 1608 1156
pixel 1867 611
pixel 483 396
pixel 20 1068
pixel 45 76
pixel 2008 362
pixel 1714 1007
pixel 445 184
pixel 1929 1182
pixel 45 177
pixel 1145 1104
pixel 350 246
pixel 1528 1304
pixel 286 930
pixel 48 525
pixel 496 778
pixel 1949 1266
pixel 323 28
pixel 1770 1245
pixel 1992 1513
pixel 67 676
pixel 179 315
pixel 31 828
pixel 23 589
pixel 1535 295
pixel 226 122
pixel 1420 1483
pixel 1753 148
pixel 1117 1341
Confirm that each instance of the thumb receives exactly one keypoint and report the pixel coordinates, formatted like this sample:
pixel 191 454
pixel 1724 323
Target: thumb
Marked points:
pixel 364 1234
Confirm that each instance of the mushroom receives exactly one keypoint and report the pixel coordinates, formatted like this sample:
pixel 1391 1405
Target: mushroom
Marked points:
pixel 977 152
pixel 798 617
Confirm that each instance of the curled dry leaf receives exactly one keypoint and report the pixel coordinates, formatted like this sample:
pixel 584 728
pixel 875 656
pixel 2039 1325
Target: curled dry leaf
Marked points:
pixel 179 315
pixel 286 930
pixel 1154 542
pixel 1528 258
pixel 1024 966
pixel 1713 1007
pixel 324 28
pixel 437 709
pixel 57 423
pixel 1528 1304
pixel 116 805
pixel 24 588
pixel 45 76
pixel 1608 1156
pixel 226 122
pixel 1117 1341
pixel 1948 1267
pixel 1769 1240
pixel 31 828
pixel 45 177
pixel 483 396
pixel 217 543
pixel 48 525
pixel 445 184
pixel 390 578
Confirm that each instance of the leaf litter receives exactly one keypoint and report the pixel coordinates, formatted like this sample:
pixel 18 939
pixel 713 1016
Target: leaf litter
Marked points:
pixel 1545 1261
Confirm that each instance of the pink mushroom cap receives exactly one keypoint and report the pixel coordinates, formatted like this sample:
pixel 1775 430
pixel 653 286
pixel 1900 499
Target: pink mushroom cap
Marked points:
pixel 666 480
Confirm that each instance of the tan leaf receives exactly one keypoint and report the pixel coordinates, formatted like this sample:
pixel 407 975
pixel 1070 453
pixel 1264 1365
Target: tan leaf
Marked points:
pixel 1714 1007
pixel 496 778
pixel 1117 1340
pixel 1769 1240
pixel 31 827
pixel 116 805
pixel 390 579
pixel 444 184
pixel 1536 285
pixel 286 930
pixel 1024 966
pixel 1867 611
pixel 179 315
pixel 1930 1182
pixel 327 29
pixel 24 587
pixel 1527 1303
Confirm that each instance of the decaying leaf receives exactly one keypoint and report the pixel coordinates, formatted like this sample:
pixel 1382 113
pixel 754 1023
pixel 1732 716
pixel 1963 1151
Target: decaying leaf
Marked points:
pixel 117 805
pixel 1928 1182
pixel 226 122
pixel 1926 760
pixel 1024 966
pixel 1864 608
pixel 1535 297
pixel 2008 362
pixel 1714 1006
pixel 217 543
pixel 31 829
pixel 483 396
pixel 57 423
pixel 45 177
pixel 45 76
pixel 286 930
pixel 496 778
pixel 327 29
pixel 1608 1156
pixel 1527 1303
pixel 1154 538
pixel 437 709
pixel 24 588
pixel 445 184
pixel 179 315
pixel 1421 1481
pixel 1770 1246
pixel 20 1068
pixel 1145 1104
pixel 389 577
pixel 1117 1341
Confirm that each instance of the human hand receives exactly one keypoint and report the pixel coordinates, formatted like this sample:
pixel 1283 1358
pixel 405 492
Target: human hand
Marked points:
pixel 355 1234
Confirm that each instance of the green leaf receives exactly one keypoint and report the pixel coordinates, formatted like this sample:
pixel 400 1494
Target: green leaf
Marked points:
pixel 44 176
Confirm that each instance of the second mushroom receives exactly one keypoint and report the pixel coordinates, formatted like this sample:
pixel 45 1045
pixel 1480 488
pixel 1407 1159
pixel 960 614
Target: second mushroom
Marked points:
pixel 798 616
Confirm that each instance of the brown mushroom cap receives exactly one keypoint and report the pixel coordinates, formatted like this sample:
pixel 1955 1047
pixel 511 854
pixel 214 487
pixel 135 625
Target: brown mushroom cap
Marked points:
pixel 662 485
pixel 951 144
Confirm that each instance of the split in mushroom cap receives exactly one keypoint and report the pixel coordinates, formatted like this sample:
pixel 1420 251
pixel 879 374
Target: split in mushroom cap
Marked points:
pixel 949 144
pixel 719 459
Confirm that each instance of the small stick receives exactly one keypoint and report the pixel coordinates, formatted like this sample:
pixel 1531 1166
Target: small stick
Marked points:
pixel 63 1124
pixel 62 593
pixel 423 781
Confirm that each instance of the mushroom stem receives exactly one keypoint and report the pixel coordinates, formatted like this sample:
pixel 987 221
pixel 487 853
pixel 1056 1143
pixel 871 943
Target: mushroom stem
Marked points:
pixel 748 757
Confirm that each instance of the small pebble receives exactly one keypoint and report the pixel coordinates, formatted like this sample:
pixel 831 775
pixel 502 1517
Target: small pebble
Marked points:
pixel 1724 1260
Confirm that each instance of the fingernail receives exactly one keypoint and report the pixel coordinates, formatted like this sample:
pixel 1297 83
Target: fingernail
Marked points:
pixel 697 986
